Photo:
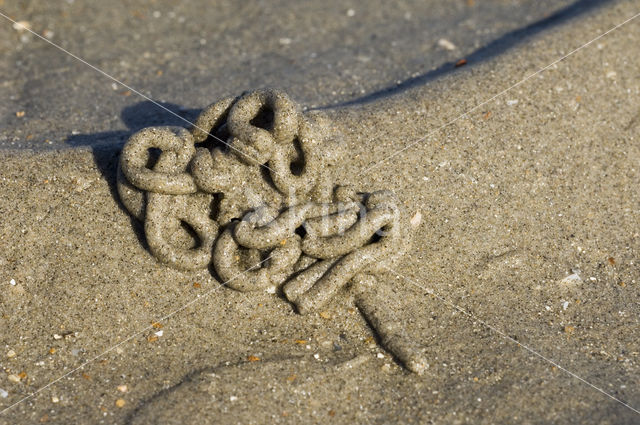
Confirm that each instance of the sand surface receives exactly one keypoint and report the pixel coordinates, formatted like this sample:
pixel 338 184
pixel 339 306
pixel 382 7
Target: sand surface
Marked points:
pixel 529 233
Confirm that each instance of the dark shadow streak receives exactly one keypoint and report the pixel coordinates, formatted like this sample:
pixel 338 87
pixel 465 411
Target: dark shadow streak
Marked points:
pixel 489 51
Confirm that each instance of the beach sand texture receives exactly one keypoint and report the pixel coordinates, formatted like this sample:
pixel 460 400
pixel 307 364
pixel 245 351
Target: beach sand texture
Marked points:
pixel 527 242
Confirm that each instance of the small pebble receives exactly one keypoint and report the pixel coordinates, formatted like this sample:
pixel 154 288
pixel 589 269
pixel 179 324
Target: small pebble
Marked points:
pixel 316 356
pixel 446 44
pixel 380 355
pixel 351 12
pixel 120 402
pixel 11 353
pixel 512 102
pixel 22 26
pixel 12 282
pixel 159 333
pixel 4 393
pixel 233 398
pixel 285 41
pixel 571 279
pixel 122 388
pixel 416 219
pixel 13 378
pixel 55 399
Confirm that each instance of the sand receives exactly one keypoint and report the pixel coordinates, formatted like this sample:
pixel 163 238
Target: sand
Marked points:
pixel 528 238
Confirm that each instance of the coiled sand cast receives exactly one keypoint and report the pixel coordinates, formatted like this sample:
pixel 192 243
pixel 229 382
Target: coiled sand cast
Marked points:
pixel 252 181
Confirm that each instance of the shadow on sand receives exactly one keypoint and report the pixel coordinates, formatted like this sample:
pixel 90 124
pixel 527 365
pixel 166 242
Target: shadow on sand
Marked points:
pixel 105 146
pixel 495 48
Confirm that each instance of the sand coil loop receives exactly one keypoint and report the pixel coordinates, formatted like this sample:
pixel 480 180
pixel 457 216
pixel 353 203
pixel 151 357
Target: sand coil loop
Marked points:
pixel 249 190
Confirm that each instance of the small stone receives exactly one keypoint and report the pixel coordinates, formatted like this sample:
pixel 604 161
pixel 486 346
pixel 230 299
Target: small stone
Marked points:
pixel 572 279
pixel 351 13
pixel 386 367
pixel 13 378
pixel 22 26
pixel 122 388
pixel 55 399
pixel 11 353
pixel 12 282
pixel 416 219
pixel 325 315
pixel 316 356
pixel 233 398
pixel 512 102
pixel 4 393
pixel 285 41
pixel 380 355
pixel 446 44
pixel 159 333
pixel 120 402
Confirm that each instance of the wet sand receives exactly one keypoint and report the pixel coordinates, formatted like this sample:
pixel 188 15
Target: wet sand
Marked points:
pixel 528 237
